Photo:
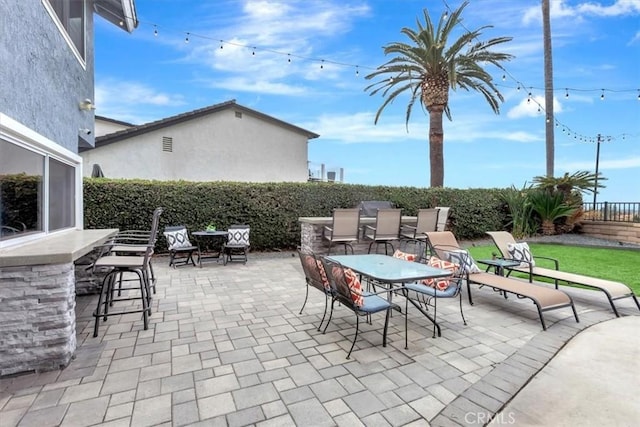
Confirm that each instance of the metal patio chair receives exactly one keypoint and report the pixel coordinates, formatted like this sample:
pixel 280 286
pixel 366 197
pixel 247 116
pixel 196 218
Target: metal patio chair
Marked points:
pixel 344 230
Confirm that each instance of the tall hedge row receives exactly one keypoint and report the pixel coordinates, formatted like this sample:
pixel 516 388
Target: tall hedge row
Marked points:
pixel 272 209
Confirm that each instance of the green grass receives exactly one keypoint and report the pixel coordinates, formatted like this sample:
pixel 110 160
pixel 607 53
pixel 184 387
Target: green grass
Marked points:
pixel 613 264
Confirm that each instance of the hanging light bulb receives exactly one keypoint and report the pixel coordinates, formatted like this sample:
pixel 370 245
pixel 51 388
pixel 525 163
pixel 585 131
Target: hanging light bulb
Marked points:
pixel 518 88
pixel 253 52
pixel 155 31
pixel 289 58
pixel 322 64
pixel 566 93
pixel 357 71
pixel 221 44
pixel 529 98
pixel 504 77
pixel 445 16
pixel 186 39
pixel 602 96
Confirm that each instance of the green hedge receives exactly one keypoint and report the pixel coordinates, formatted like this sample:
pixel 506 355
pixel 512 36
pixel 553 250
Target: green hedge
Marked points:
pixel 272 209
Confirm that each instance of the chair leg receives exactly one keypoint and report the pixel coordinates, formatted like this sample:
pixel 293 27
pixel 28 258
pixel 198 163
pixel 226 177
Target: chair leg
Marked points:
pixel 326 298
pixel 305 299
pixel 96 313
pixel 355 337
pixel 371 244
pixel 435 315
pixel 461 313
pixel 386 326
pixel 146 308
pixel 406 319
pixel 330 315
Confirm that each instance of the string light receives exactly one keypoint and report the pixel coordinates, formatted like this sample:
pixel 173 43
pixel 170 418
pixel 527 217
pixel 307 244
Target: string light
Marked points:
pixel 391 79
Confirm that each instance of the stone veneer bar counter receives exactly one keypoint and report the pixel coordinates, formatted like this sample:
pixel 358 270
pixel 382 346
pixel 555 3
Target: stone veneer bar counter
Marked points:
pixel 311 233
pixel 37 295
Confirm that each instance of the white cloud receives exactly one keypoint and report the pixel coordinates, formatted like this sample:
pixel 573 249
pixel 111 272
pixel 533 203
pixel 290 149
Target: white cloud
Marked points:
pixel 532 107
pixel 123 100
pixel 560 9
pixel 266 31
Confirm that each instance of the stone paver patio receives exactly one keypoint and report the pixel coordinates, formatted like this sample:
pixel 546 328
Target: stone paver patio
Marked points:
pixel 226 346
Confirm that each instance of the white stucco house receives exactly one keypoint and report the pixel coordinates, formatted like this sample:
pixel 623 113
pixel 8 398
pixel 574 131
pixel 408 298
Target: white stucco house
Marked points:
pixel 222 142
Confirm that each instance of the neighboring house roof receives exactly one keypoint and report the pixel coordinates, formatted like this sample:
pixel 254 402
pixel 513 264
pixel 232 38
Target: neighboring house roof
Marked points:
pixel 114 121
pixel 121 13
pixel 170 121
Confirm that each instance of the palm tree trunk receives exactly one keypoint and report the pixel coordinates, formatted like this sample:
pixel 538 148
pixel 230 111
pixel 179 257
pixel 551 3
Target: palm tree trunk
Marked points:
pixel 548 87
pixel 436 145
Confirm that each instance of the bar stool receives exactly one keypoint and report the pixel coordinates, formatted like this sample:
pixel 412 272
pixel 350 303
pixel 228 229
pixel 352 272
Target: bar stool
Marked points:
pixel 117 266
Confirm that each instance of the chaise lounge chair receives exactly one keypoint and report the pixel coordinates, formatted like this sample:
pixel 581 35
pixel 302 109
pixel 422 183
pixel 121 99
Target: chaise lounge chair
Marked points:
pixel 444 243
pixel 613 290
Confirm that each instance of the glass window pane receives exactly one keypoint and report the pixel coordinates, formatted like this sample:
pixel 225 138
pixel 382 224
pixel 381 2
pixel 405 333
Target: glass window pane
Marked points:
pixel 21 192
pixel 62 195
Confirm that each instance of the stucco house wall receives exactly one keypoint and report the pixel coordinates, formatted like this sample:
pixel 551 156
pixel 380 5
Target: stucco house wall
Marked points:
pixel 104 126
pixel 41 80
pixel 232 143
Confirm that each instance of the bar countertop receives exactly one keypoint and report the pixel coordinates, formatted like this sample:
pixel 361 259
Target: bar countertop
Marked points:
pixel 57 248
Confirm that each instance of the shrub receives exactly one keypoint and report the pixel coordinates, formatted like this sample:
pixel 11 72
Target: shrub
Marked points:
pixel 272 209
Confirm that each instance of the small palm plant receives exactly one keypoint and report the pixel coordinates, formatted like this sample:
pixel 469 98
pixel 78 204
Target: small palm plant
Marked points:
pixel 520 213
pixel 550 207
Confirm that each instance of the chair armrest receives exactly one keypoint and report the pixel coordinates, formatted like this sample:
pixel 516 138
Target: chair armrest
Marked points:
pixel 555 260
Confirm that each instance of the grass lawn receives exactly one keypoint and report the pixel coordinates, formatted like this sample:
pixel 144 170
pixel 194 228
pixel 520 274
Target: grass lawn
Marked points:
pixel 613 264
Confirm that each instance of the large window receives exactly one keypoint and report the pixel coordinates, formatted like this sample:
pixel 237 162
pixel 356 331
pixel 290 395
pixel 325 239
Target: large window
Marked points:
pixel 70 18
pixel 40 184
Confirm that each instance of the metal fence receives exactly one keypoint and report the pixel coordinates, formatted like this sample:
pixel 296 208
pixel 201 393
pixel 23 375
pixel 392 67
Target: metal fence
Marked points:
pixel 612 211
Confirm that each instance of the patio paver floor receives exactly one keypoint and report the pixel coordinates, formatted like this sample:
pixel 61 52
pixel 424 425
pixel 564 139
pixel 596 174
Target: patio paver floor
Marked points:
pixel 226 346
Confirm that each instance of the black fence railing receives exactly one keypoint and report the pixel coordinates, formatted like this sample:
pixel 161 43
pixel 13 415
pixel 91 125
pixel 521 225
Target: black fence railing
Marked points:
pixel 612 211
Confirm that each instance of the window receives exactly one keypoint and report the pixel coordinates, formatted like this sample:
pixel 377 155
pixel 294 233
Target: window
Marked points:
pixel 21 175
pixel 69 16
pixel 40 185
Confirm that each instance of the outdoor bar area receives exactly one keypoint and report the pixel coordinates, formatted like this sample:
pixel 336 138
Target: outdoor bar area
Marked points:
pixel 311 230
pixel 38 295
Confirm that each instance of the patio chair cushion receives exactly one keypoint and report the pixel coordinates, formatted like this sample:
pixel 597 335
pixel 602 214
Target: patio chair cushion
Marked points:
pixel 355 286
pixel 441 284
pixel 464 259
pixel 177 239
pixel 404 255
pixel 420 288
pixel 373 303
pixel 323 274
pixel 521 252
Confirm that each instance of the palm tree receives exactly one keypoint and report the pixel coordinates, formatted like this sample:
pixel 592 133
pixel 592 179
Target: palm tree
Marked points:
pixel 427 68
pixel 548 87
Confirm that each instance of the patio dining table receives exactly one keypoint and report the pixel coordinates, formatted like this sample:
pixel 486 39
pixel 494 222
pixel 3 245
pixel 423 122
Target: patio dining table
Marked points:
pixel 389 270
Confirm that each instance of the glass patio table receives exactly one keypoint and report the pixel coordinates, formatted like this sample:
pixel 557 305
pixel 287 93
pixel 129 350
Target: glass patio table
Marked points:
pixel 390 270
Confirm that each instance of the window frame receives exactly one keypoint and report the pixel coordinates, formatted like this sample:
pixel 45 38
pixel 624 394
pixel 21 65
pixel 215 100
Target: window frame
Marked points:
pixel 80 56
pixel 16 133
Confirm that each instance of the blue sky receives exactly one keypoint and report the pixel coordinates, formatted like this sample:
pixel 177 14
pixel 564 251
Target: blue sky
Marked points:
pixel 333 44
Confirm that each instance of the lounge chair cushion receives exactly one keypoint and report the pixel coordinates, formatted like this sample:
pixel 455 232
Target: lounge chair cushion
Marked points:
pixel 521 252
pixel 177 239
pixel 404 255
pixel 441 284
pixel 464 259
